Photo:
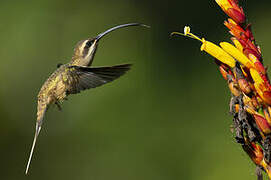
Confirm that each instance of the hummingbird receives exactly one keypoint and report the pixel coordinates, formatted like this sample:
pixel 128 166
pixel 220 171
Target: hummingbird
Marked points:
pixel 76 76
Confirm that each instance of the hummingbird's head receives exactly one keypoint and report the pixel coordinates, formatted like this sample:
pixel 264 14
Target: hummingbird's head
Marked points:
pixel 85 50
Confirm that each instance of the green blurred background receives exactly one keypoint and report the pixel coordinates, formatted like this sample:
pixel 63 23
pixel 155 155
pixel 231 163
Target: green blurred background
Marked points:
pixel 166 119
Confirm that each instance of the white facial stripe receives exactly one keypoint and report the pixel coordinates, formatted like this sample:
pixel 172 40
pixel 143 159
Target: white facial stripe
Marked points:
pixel 87 58
pixel 81 49
pixel 92 47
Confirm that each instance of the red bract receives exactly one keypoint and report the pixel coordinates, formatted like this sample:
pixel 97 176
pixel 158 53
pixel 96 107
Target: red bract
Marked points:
pixel 262 124
pixel 231 8
pixel 236 15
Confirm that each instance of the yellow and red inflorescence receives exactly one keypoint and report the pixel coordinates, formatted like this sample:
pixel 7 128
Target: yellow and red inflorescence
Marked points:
pixel 241 64
pixel 231 8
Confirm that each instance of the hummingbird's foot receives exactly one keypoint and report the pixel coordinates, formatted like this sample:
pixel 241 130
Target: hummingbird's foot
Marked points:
pixel 58 106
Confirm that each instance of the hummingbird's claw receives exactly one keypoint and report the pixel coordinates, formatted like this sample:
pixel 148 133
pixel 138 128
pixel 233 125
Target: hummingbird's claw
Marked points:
pixel 58 106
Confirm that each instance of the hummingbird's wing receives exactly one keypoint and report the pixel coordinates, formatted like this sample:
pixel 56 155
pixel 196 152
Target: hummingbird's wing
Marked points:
pixel 88 77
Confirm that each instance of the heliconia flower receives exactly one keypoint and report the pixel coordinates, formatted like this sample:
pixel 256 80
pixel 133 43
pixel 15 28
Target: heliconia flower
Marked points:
pixel 237 44
pixel 269 110
pixel 254 151
pixel 223 71
pixel 250 105
pixel 267 116
pixel 256 77
pixel 233 86
pixel 246 100
pixel 261 85
pixel 231 8
pixel 244 37
pixel 241 64
pixel 242 82
pixel 217 52
pixel 249 52
pixel 237 107
pixel 235 29
pixel 267 97
pixel 266 167
pixel 257 151
pixel 234 52
pixel 259 117
pixel 247 44
pixel 258 65
pixel 209 47
pixel 238 31
pixel 255 102
pixel 244 86
pixel 262 123
pixel 250 110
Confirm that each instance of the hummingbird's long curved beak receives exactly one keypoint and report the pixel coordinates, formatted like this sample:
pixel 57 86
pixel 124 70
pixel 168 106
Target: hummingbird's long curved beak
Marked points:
pixel 118 27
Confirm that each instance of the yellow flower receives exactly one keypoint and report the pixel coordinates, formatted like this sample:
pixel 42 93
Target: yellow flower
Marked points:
pixel 210 48
pixel 224 4
pixel 217 52
pixel 237 44
pixel 231 8
pixel 256 76
pixel 234 52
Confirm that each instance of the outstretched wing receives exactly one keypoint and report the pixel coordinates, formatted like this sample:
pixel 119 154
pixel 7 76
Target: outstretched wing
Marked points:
pixel 88 77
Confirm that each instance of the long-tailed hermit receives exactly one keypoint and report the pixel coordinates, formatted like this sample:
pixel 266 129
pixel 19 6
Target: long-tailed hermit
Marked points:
pixel 76 76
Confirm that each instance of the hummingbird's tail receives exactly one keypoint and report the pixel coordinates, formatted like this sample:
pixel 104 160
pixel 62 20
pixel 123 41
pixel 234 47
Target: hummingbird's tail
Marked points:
pixel 41 111
pixel 38 128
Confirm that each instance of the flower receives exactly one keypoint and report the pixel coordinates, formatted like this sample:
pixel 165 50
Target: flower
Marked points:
pixel 234 52
pixel 241 65
pixel 209 47
pixel 231 8
pixel 254 151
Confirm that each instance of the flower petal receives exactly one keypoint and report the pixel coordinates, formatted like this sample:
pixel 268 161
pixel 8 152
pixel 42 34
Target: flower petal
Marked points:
pixel 218 53
pixel 234 52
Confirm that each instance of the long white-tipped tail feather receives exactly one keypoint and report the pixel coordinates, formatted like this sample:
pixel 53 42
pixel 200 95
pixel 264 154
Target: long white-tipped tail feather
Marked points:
pixel 38 128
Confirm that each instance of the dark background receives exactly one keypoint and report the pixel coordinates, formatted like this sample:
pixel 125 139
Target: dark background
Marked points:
pixel 166 119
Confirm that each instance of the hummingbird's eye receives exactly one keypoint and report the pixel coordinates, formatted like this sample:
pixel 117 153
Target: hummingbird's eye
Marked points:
pixel 89 43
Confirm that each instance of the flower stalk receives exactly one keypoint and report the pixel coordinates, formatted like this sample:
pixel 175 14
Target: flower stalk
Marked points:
pixel 241 65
